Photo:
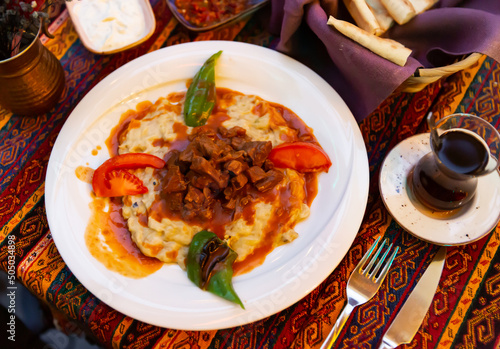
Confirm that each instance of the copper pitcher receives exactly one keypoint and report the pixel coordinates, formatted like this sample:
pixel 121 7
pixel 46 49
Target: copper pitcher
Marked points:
pixel 32 81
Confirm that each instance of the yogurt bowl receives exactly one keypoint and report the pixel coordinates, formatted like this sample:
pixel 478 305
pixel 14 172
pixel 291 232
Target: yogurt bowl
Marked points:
pixel 110 26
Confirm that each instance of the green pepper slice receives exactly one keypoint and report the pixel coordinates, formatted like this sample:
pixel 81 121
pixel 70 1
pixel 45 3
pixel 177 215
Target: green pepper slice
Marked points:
pixel 201 94
pixel 210 265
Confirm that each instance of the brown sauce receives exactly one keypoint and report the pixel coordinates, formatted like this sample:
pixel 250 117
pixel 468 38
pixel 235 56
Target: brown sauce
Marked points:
pixel 109 241
pixel 125 257
pixel 141 111
pixel 252 261
pixel 272 229
pixel 84 174
pixel 311 187
pixel 181 140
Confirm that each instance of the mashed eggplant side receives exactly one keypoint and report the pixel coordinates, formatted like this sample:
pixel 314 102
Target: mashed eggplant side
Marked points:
pixel 217 177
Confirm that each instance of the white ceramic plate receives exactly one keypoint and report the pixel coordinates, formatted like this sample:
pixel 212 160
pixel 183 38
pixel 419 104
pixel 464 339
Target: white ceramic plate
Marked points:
pixel 167 298
pixel 467 224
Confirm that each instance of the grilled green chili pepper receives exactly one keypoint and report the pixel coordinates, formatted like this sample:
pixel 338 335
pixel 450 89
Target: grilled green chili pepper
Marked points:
pixel 210 265
pixel 201 94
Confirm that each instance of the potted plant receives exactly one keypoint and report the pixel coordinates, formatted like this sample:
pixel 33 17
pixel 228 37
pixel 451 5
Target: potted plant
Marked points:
pixel 31 77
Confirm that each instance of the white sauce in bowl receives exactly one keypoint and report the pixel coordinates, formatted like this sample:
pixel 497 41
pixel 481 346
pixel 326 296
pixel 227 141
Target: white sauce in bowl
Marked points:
pixel 111 24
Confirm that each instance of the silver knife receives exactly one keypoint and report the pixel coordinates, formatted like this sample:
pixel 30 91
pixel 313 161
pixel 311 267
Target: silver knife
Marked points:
pixel 410 317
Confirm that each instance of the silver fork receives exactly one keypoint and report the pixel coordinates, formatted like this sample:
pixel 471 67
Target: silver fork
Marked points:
pixel 362 285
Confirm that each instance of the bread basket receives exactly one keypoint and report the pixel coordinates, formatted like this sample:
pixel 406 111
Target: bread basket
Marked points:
pixel 426 76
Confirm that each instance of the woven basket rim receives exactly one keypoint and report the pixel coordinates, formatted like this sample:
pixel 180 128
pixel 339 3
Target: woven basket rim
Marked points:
pixel 426 76
pixel 451 68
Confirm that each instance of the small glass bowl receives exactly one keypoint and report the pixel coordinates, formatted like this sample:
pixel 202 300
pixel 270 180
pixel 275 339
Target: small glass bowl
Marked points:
pixel 203 15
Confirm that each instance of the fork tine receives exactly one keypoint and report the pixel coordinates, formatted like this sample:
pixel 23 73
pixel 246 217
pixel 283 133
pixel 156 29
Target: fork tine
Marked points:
pixel 381 261
pixel 363 260
pixel 384 271
pixel 374 259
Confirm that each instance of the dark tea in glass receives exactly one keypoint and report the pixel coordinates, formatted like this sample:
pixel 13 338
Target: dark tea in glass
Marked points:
pixel 463 148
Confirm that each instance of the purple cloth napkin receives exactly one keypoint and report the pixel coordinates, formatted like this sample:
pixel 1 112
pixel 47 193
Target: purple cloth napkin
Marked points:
pixel 363 79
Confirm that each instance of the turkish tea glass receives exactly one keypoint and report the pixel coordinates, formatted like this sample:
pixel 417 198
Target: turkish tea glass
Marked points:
pixel 463 148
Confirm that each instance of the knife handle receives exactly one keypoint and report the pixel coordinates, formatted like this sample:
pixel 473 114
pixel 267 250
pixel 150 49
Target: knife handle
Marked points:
pixel 341 320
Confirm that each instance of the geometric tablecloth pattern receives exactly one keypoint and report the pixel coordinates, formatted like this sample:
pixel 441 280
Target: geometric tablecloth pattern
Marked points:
pixel 465 312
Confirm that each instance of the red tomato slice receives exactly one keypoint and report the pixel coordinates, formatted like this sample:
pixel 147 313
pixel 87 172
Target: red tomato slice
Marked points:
pixel 131 161
pixel 300 156
pixel 118 183
pixel 111 179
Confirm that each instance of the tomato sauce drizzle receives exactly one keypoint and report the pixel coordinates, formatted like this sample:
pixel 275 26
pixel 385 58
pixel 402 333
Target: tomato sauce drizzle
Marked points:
pixel 107 232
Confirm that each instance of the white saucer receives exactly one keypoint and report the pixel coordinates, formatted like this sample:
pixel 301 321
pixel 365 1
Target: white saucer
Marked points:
pixel 461 226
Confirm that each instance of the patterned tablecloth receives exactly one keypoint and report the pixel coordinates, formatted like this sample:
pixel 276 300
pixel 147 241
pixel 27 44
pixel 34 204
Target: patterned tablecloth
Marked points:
pixel 465 312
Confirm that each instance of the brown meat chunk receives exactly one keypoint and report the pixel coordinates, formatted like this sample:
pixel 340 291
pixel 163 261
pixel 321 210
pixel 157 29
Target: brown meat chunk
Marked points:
pixel 187 154
pixel 272 178
pixel 268 165
pixel 235 167
pixel 196 205
pixel 199 180
pixel 206 213
pixel 230 205
pixel 175 201
pixel 232 155
pixel 245 200
pixel 228 192
pixel 203 166
pixel 224 146
pixel 207 146
pixel 255 173
pixel 235 131
pixel 209 195
pixel 172 157
pixel 193 210
pixel 258 151
pixel 194 196
pixel 237 142
pixel 202 130
pixel 239 181
pixel 174 180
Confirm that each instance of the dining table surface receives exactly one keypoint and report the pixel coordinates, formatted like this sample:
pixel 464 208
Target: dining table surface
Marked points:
pixel 465 310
